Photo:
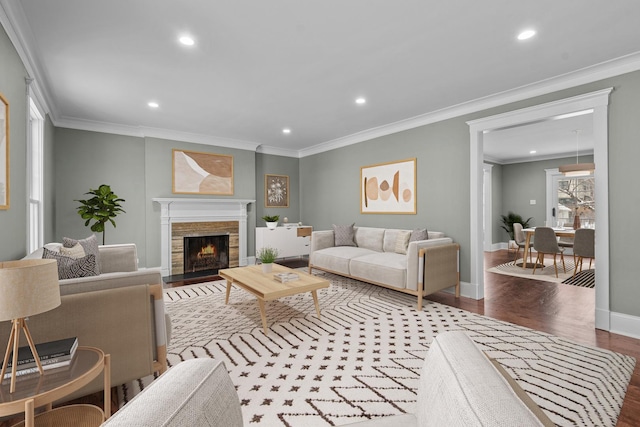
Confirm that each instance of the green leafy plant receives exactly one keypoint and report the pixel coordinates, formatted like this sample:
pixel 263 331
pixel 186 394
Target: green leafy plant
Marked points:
pixel 510 219
pixel 102 207
pixel 272 218
pixel 267 255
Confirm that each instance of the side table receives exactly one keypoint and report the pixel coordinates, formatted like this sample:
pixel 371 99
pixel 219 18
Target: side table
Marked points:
pixel 35 390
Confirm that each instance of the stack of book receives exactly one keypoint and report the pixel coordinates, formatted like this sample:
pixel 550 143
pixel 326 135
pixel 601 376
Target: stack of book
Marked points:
pixel 53 354
pixel 285 277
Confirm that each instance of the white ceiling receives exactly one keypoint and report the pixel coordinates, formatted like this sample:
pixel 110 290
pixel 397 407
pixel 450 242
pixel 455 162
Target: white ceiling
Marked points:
pixel 259 66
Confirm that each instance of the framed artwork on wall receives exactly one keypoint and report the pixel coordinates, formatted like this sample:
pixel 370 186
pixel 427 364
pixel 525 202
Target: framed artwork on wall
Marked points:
pixel 4 152
pixel 388 188
pixel 202 173
pixel 276 191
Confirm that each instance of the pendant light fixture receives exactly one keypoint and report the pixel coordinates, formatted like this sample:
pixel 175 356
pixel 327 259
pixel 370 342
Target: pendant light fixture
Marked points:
pixel 577 168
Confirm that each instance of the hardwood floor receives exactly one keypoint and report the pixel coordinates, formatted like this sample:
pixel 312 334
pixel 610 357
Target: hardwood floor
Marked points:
pixel 563 310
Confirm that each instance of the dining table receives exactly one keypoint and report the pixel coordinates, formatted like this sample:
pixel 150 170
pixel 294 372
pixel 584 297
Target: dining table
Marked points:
pixel 529 232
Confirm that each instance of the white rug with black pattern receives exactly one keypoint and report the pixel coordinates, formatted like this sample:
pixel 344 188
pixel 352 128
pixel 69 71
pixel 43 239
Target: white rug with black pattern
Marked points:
pixel 363 358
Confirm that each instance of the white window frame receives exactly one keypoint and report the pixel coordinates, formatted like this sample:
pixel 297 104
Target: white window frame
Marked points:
pixel 35 177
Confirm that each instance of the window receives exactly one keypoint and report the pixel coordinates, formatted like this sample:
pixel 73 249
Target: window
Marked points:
pixel 571 196
pixel 35 179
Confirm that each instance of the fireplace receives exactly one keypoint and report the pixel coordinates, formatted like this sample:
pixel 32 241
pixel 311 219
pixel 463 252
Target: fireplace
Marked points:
pixel 206 253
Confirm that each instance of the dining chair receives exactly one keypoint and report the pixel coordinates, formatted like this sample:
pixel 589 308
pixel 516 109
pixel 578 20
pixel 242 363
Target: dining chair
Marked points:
pixel 545 242
pixel 520 239
pixel 583 247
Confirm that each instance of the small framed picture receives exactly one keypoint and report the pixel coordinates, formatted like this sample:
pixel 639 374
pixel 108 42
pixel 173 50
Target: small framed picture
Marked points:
pixel 276 191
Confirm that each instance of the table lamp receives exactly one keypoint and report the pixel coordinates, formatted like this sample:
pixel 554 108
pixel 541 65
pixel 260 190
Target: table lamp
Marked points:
pixel 27 287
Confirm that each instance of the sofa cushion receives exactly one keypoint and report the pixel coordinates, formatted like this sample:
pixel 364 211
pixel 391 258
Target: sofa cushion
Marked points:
pixel 459 386
pixel 402 241
pixel 381 267
pixel 90 246
pixel 70 268
pixel 370 238
pixel 419 234
pixel 343 235
pixel 337 258
pixel 76 251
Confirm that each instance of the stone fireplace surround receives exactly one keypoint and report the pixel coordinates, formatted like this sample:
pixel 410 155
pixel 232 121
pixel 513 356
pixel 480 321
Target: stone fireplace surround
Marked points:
pixel 186 210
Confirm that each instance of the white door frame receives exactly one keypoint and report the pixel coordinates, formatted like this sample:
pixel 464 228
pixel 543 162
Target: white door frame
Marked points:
pixel 488 207
pixel 598 102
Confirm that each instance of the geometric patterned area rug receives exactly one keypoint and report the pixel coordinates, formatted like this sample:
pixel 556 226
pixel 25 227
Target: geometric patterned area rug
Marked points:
pixel 547 274
pixel 363 358
pixel 584 278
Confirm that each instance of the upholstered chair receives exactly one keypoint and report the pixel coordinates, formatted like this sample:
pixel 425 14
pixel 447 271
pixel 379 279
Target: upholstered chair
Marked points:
pixel 546 242
pixel 583 247
pixel 520 240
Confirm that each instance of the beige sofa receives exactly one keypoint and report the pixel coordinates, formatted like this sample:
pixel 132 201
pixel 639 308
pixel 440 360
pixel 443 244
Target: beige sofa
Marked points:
pixel 120 311
pixel 428 266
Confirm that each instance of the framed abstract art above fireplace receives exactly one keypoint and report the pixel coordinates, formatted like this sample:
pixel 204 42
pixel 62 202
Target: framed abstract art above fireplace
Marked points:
pixel 388 188
pixel 202 173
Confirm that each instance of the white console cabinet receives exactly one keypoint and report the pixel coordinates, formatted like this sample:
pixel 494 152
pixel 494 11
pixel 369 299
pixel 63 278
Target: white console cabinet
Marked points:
pixel 291 241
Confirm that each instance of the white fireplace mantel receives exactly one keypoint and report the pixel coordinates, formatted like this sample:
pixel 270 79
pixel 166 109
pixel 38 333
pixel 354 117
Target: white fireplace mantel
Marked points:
pixel 174 210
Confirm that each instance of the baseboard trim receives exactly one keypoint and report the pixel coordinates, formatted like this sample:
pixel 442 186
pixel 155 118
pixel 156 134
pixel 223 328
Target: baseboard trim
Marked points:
pixel 625 324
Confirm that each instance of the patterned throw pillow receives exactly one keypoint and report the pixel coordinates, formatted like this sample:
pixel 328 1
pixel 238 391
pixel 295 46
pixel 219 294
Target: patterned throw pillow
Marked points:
pixel 402 241
pixel 75 252
pixel 343 235
pixel 90 246
pixel 419 234
pixel 71 268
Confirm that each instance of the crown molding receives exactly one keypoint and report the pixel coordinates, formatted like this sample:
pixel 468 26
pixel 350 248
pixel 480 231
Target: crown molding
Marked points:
pixel 614 67
pixel 18 30
pixel 149 132
pixel 275 151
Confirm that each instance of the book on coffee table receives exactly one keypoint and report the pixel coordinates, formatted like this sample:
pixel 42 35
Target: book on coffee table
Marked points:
pixel 286 277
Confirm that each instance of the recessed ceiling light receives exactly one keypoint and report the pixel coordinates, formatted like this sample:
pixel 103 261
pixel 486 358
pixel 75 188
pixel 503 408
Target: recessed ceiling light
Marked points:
pixel 187 41
pixel 361 101
pixel 286 130
pixel 532 152
pixel 527 34
pixel 153 104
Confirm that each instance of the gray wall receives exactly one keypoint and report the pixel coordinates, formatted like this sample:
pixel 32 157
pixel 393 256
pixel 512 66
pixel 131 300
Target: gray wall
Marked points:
pixel 13 222
pixel 278 165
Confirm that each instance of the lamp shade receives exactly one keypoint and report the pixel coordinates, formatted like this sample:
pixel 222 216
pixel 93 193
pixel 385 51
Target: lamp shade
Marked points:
pixel 28 287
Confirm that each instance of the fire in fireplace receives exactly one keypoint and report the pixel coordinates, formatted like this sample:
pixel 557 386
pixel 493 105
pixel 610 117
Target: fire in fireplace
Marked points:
pixel 206 253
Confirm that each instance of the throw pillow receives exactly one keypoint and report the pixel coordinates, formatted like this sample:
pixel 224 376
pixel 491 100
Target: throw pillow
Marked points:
pixel 71 268
pixel 75 252
pixel 343 235
pixel 402 241
pixel 419 234
pixel 90 246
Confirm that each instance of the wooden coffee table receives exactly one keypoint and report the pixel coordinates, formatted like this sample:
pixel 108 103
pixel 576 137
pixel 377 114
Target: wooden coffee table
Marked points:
pixel 266 288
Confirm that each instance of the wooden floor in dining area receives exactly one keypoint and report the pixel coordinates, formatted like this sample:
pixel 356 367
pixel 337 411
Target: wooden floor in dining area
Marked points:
pixel 563 310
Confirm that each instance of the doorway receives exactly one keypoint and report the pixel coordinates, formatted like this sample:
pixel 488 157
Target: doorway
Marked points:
pixel 596 101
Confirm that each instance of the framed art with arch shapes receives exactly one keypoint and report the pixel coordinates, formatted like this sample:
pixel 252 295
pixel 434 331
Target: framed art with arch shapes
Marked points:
pixel 4 152
pixel 388 188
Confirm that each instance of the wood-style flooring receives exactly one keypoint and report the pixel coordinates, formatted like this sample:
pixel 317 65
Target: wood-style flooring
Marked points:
pixel 563 310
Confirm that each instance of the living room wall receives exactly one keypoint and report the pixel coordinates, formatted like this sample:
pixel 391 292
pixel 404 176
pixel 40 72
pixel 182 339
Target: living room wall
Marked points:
pixel 13 221
pixel 277 165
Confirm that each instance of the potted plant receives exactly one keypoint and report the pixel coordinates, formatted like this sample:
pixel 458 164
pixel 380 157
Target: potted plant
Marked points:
pixel 102 207
pixel 267 256
pixel 507 225
pixel 271 220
